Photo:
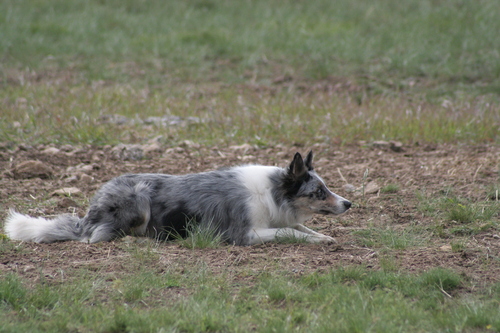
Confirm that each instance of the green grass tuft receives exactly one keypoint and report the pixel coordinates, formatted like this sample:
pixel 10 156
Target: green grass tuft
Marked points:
pixel 343 299
pixel 390 188
pixel 469 212
pixel 12 292
pixel 201 236
pixel 390 238
pixel 458 216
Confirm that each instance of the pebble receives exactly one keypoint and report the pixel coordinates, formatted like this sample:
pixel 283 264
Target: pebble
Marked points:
pixel 32 169
pixel 372 187
pixel 86 179
pixel 349 188
pixel 67 191
pixel 50 151
pixel 127 152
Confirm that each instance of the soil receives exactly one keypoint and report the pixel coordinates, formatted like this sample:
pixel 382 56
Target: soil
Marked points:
pixel 467 171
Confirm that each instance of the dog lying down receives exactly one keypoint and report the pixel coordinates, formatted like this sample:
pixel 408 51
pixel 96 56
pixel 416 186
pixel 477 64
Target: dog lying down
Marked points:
pixel 246 205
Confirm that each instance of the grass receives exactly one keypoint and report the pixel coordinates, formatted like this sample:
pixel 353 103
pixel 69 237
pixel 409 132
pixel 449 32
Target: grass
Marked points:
pixel 357 299
pixel 390 188
pixel 201 236
pixel 458 246
pixel 59 115
pixel 154 291
pixel 494 192
pixel 466 213
pixel 251 72
pixel 391 238
pixel 459 216
pixel 157 291
pixel 394 44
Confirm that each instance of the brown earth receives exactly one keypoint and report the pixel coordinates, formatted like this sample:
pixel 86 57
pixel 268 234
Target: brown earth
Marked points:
pixel 467 171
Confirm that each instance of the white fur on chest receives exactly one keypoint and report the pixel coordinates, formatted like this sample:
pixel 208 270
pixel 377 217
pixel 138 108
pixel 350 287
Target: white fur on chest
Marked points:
pixel 264 211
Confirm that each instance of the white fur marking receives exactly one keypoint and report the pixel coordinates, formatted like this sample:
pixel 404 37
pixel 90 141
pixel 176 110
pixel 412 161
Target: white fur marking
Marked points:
pixel 263 235
pixel 263 209
pixel 27 228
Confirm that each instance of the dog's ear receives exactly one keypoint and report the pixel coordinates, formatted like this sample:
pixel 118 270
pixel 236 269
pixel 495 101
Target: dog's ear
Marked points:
pixel 297 168
pixel 309 161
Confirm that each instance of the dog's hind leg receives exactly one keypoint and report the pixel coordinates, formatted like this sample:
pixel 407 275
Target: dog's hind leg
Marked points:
pixel 143 206
pixel 103 233
pixel 118 210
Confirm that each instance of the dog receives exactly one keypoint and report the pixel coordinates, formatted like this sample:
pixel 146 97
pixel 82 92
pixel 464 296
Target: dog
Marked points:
pixel 246 205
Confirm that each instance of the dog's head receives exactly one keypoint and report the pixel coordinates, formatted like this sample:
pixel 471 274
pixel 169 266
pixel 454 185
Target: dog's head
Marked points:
pixel 308 192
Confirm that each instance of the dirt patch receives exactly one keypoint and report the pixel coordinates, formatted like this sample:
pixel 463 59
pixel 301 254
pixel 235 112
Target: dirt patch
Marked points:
pixel 468 171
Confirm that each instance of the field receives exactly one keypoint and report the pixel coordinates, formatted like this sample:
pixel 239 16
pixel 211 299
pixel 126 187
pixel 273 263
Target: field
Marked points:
pixel 399 101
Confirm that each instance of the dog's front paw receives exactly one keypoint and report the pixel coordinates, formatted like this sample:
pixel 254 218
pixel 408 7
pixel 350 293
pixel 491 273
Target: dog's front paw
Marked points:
pixel 326 240
pixel 330 240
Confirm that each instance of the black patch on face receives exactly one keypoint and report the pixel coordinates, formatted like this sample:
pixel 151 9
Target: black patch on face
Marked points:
pixel 292 186
pixel 296 175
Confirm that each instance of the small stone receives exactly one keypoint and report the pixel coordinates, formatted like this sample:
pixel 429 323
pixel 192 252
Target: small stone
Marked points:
pixel 66 203
pixel 245 147
pixel 127 152
pixel 82 168
pixel 248 158
pixel 153 147
pixel 28 268
pixel 372 187
pixel 361 143
pixel 24 147
pixel 349 188
pixel 86 179
pixel 116 119
pixel 190 144
pixel 380 144
pixel 430 147
pixel 396 146
pixel 157 139
pixel 32 169
pixel 175 150
pixel 86 168
pixel 445 248
pixel 98 156
pixel 50 151
pixel 67 191
pixel 71 179
pixel 67 148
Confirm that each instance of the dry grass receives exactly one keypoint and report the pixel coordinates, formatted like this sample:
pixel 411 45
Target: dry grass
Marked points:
pixel 57 112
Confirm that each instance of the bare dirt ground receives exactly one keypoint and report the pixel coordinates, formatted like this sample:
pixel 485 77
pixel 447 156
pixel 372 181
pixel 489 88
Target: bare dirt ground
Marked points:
pixel 467 171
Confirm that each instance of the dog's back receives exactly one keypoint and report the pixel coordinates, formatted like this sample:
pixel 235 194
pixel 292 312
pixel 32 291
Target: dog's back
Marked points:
pixel 216 199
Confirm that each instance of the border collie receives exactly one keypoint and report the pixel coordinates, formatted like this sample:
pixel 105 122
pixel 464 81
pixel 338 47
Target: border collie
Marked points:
pixel 245 204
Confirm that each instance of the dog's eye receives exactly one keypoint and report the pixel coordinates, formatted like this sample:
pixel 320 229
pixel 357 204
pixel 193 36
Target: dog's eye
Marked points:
pixel 320 194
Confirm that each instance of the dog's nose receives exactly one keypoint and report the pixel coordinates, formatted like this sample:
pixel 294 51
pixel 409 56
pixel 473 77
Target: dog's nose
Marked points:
pixel 347 204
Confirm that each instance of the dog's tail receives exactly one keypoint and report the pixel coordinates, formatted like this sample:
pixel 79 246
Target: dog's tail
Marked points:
pixel 40 230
